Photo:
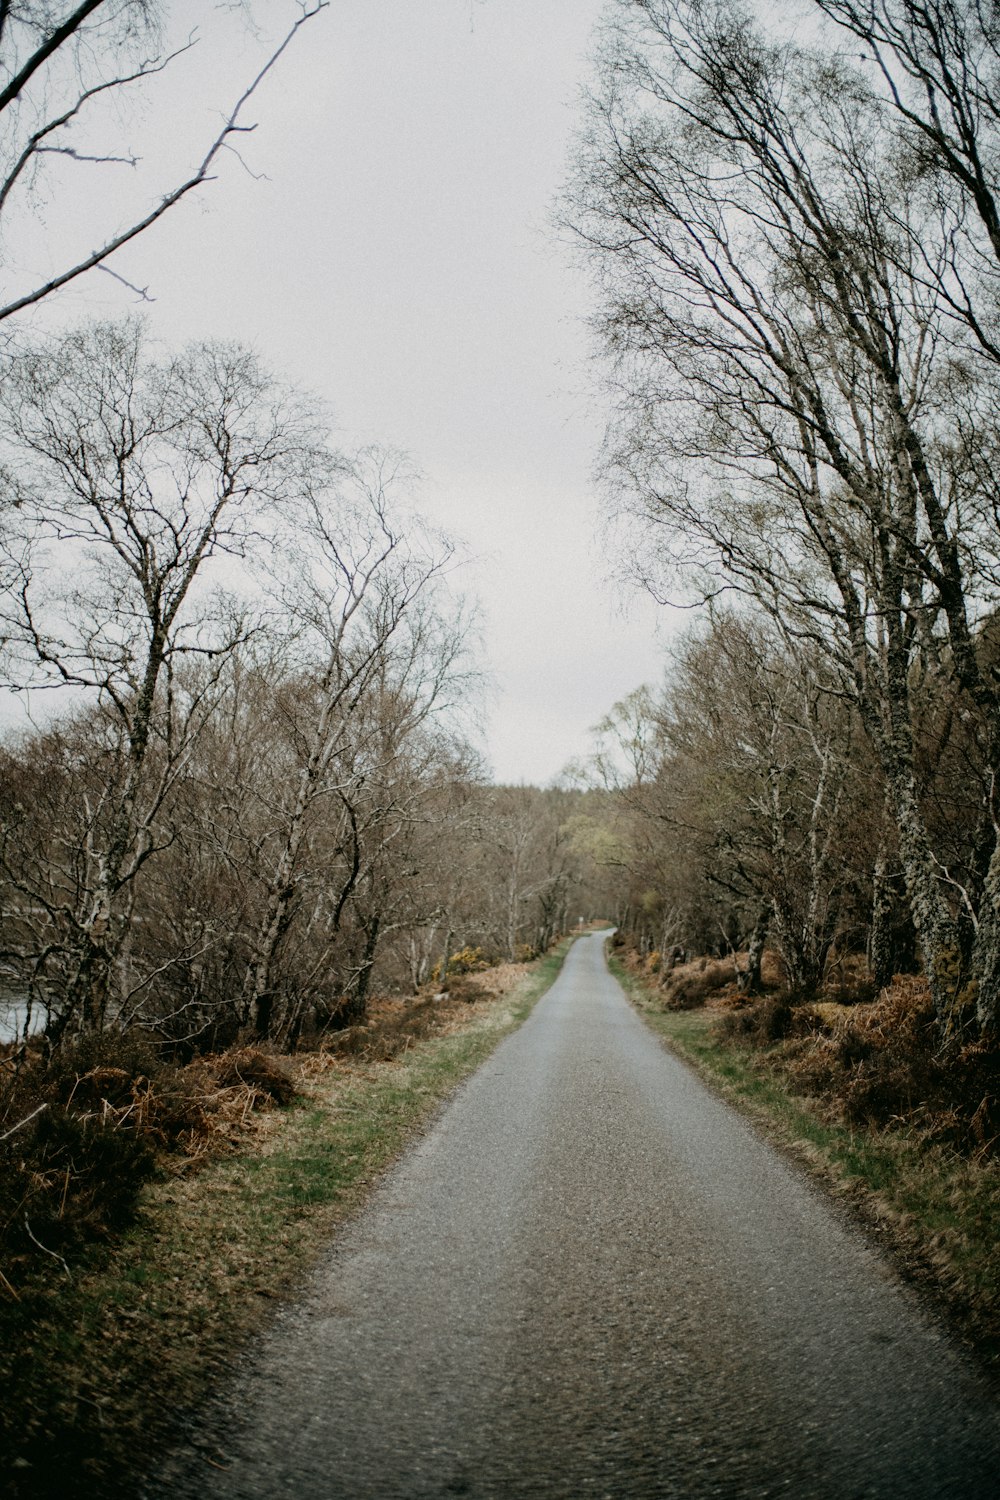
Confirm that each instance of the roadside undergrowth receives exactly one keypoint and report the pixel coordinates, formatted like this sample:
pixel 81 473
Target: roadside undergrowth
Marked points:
pixel 925 1183
pixel 98 1355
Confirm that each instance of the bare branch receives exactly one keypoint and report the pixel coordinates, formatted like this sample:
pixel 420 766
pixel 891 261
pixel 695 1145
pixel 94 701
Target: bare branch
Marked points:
pixel 202 174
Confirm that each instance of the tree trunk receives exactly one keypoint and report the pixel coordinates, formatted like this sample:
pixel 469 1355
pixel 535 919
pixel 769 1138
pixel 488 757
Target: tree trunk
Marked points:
pixel 937 931
pixel 86 994
pixel 445 958
pixel 881 949
pixel 748 979
pixel 512 923
pixel 279 919
pixel 357 1001
pixel 986 954
pixel 418 964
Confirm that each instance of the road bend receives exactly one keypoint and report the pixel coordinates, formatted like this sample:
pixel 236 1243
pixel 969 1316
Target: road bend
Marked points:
pixel 593 1278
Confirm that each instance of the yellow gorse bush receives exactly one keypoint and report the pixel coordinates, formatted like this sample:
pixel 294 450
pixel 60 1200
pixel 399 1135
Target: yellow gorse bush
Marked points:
pixel 466 961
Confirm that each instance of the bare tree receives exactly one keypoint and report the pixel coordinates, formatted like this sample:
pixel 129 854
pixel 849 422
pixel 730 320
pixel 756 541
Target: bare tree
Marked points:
pixel 786 369
pixel 771 764
pixel 739 784
pixel 61 64
pixel 528 866
pixel 126 474
pixel 375 657
pixel 939 67
pixel 448 911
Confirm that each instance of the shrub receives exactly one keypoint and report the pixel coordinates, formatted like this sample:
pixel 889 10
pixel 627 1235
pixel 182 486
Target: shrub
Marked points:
pixel 879 1065
pixel 260 1071
pixel 466 960
pixel 66 1178
pixel 767 1020
pixel 80 1132
pixel 690 985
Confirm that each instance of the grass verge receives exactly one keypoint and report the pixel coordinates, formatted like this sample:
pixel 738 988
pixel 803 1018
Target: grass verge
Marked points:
pixel 96 1362
pixel 936 1211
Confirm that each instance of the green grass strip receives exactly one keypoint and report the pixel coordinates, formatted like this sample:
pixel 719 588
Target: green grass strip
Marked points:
pixel 95 1365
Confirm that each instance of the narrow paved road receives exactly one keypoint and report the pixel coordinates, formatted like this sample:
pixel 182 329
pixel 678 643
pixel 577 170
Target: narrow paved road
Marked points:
pixel 591 1278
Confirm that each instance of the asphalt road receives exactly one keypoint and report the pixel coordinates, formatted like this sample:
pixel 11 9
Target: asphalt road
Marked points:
pixel 593 1279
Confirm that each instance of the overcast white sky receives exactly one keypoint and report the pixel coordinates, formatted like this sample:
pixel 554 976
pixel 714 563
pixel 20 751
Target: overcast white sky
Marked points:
pixel 396 260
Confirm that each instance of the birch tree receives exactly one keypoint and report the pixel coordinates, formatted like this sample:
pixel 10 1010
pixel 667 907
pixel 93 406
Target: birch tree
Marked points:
pixel 787 368
pixel 938 69
pixel 376 657
pixel 771 764
pixel 127 474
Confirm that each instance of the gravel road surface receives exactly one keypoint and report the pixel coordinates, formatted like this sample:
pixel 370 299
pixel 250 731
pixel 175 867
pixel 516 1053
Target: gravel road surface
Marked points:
pixel 591 1278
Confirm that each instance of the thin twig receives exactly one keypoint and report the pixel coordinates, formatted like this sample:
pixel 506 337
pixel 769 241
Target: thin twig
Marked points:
pixel 142 292
pixel 54 1253
pixel 14 1128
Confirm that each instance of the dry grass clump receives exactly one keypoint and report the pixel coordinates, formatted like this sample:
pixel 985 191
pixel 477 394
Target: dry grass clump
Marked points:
pixel 761 1021
pixel 81 1132
pixel 704 980
pixel 872 1062
pixel 73 1152
pixel 466 987
pixel 393 1025
pixel 772 970
pixel 879 1065
pixel 690 985
pixel 269 1077
pixel 390 1028
pixel 848 980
